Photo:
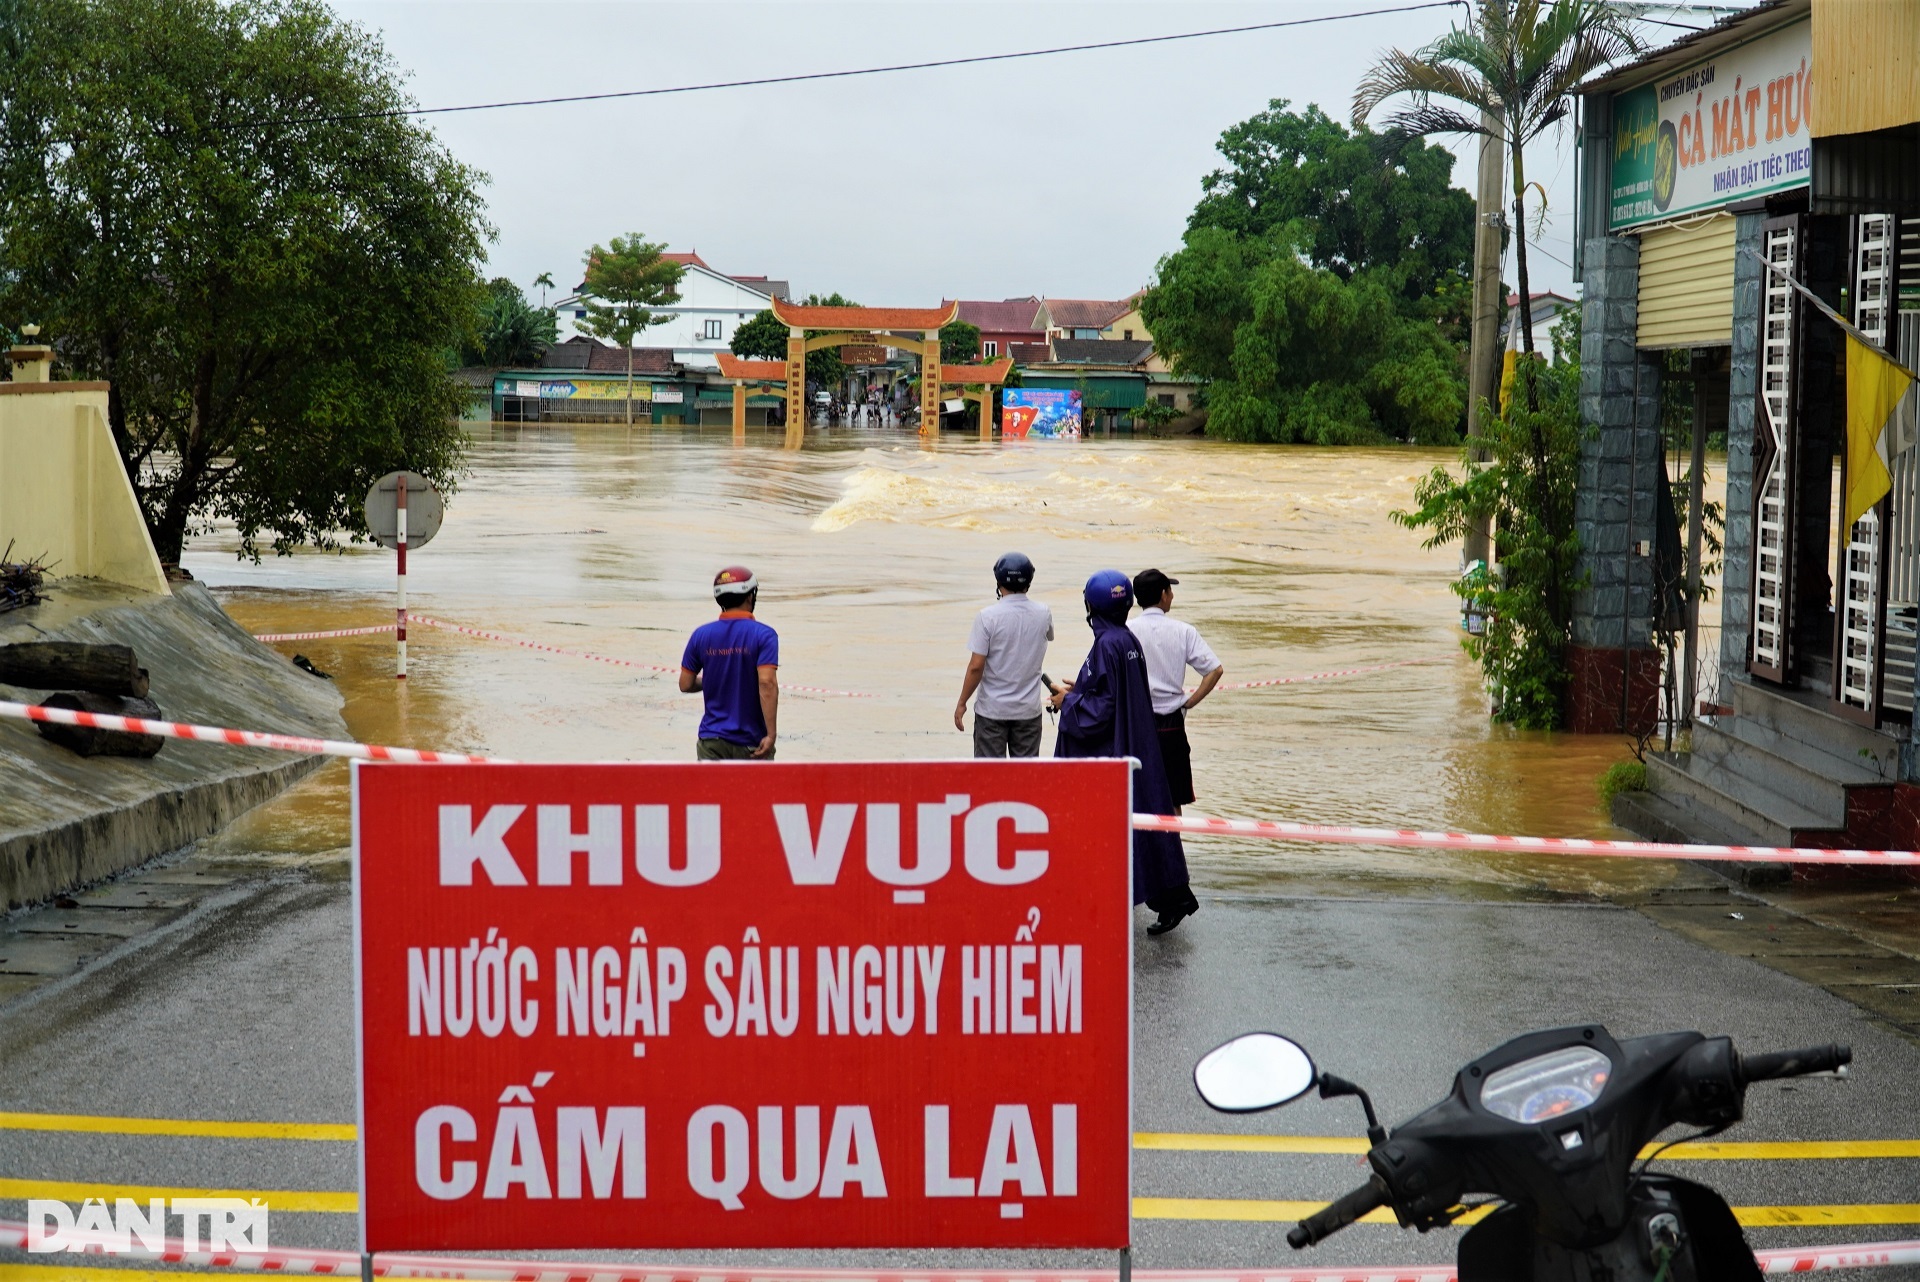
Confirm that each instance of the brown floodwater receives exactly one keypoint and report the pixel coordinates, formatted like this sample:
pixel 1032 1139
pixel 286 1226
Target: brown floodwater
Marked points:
pixel 874 550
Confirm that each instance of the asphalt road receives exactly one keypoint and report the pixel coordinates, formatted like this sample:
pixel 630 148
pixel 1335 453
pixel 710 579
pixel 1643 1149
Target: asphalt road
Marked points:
pixel 242 1010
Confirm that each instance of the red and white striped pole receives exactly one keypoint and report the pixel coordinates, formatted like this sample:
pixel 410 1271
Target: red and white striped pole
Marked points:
pixel 400 611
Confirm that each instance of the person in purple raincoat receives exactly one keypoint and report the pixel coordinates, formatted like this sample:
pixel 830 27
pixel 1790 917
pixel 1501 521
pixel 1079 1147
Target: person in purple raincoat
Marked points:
pixel 1107 711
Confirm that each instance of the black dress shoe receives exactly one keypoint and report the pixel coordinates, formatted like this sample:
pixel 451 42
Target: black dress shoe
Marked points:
pixel 1173 916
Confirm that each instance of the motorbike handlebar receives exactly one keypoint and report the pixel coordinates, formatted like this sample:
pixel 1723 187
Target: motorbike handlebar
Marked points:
pixel 1811 1059
pixel 1338 1215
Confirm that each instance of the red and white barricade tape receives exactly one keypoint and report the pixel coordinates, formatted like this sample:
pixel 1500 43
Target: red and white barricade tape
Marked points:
pixel 1323 676
pixel 13 1235
pixel 601 658
pixel 429 621
pixel 237 738
pixel 1196 825
pixel 321 636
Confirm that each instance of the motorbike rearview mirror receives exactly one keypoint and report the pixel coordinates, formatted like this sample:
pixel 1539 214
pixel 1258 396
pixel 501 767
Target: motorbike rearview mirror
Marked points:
pixel 1254 1072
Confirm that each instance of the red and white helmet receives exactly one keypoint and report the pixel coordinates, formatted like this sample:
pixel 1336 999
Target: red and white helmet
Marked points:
pixel 735 580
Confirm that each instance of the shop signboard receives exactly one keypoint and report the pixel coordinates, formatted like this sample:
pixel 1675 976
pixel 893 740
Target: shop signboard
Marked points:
pixel 787 1005
pixel 1044 412
pixel 1727 129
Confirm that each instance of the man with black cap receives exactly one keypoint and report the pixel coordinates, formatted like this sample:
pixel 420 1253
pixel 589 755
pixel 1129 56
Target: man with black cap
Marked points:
pixel 1008 646
pixel 1171 646
pixel 734 662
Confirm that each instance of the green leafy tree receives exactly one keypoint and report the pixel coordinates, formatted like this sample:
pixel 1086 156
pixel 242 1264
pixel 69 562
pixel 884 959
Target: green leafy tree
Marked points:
pixel 511 330
pixel 1525 489
pixel 1519 61
pixel 1368 203
pixel 1294 353
pixel 959 343
pixel 625 280
pixel 219 208
pixel 762 338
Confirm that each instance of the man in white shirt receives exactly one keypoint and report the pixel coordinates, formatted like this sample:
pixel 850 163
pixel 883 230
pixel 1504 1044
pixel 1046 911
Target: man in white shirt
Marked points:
pixel 1171 646
pixel 1009 646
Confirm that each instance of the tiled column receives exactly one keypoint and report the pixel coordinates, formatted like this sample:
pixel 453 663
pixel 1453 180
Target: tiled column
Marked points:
pixel 1615 502
pixel 1736 577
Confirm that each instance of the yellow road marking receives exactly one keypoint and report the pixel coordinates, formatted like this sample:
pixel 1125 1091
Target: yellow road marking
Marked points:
pixel 1224 1208
pixel 1250 1143
pixel 276 1199
pixel 194 1127
pixel 1144 1208
pixel 1734 1151
pixel 345 1132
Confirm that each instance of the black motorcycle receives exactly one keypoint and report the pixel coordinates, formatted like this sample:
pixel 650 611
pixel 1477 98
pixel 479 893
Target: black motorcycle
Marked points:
pixel 1550 1126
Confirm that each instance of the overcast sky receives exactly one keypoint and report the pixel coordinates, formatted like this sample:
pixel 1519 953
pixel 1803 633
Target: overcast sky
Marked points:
pixel 1065 176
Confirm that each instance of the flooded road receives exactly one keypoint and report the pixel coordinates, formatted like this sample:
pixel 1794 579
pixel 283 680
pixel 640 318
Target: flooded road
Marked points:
pixel 874 551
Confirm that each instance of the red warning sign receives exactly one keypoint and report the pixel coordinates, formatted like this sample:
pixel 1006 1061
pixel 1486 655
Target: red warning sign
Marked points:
pixel 750 1005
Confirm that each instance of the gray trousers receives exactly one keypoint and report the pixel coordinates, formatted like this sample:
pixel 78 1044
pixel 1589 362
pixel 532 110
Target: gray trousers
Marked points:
pixel 996 738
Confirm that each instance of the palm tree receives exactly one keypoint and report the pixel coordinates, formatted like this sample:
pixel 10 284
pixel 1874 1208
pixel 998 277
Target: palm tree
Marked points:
pixel 545 281
pixel 1517 69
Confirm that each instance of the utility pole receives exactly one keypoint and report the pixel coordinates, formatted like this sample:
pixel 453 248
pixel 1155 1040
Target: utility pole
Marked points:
pixel 1483 357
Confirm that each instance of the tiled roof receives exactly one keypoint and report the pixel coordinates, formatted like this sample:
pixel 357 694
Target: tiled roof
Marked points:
pixel 1083 313
pixel 740 367
pixel 1001 317
pixel 1101 351
pixel 571 354
pixel 1028 353
pixel 686 260
pixel 604 358
pixel 765 285
pixel 861 318
pixel 971 375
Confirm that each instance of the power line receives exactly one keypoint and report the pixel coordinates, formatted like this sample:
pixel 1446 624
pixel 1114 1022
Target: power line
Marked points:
pixel 858 71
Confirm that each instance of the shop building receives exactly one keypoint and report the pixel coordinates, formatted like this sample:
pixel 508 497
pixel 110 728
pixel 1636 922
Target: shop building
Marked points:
pixel 1781 142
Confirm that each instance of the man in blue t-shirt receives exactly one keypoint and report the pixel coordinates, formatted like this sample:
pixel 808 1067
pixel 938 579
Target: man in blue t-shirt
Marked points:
pixel 735 662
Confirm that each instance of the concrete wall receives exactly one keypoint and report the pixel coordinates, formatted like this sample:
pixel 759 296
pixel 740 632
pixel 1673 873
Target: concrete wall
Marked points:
pixel 64 495
pixel 67 820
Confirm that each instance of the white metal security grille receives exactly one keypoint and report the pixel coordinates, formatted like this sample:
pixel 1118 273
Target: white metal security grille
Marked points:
pixel 1857 668
pixel 1770 571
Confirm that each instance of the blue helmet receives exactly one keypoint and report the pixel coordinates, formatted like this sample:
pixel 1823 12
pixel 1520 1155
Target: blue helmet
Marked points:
pixel 1108 593
pixel 1014 572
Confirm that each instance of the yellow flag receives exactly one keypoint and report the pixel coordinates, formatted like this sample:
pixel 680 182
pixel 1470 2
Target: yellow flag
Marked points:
pixel 1510 360
pixel 1874 388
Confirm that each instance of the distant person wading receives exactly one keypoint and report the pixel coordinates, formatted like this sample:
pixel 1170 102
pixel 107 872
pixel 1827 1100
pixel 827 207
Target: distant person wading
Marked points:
pixel 734 662
pixel 1009 646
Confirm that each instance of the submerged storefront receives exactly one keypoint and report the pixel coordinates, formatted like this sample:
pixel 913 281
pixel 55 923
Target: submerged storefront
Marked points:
pixel 1779 147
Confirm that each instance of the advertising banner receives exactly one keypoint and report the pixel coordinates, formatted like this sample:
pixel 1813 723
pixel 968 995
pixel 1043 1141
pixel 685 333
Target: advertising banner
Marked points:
pixel 743 1005
pixel 1040 412
pixel 1723 130
pixel 610 390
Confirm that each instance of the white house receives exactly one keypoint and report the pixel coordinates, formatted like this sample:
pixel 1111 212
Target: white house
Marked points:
pixel 711 306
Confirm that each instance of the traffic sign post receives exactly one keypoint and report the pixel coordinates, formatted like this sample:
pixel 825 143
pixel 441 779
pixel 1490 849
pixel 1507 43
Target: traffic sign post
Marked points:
pixel 755 1005
pixel 395 522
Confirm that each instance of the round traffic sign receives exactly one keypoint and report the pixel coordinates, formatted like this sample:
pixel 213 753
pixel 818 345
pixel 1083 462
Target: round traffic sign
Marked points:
pixel 425 510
